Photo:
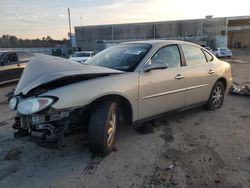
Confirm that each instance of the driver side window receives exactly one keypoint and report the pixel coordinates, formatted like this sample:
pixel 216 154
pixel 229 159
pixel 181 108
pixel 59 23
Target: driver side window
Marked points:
pixel 168 55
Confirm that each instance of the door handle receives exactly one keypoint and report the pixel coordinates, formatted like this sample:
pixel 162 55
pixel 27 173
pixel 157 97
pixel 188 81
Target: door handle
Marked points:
pixel 179 76
pixel 211 71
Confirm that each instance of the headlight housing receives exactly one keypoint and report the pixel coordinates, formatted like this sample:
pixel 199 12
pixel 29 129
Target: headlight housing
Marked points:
pixel 34 105
pixel 13 103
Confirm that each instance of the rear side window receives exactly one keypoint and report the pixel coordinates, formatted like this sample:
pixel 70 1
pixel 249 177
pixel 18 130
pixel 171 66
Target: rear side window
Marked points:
pixel 168 55
pixel 193 54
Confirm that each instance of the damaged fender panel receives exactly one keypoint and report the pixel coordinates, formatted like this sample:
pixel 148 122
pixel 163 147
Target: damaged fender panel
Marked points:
pixel 83 93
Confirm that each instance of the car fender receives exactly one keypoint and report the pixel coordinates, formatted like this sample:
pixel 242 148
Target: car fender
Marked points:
pixel 222 71
pixel 85 92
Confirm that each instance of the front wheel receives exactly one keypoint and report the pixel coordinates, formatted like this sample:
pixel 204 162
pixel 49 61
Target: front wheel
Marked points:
pixel 102 128
pixel 216 97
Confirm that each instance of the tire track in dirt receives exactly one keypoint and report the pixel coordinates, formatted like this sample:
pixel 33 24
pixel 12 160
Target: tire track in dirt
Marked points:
pixel 92 165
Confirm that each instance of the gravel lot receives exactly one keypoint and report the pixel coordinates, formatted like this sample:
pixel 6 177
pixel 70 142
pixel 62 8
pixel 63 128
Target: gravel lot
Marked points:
pixel 192 149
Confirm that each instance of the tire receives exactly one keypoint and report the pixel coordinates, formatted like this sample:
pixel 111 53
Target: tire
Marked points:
pixel 101 132
pixel 216 97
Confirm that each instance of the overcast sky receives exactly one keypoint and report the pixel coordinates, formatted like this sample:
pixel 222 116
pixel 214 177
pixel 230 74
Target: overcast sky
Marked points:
pixel 35 18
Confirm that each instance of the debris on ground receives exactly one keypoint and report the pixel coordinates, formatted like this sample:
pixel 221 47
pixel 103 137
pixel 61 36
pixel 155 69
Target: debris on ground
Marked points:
pixel 239 89
pixel 170 167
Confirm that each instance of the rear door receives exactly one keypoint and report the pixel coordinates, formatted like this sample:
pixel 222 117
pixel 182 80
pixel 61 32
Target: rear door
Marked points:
pixel 198 72
pixel 162 90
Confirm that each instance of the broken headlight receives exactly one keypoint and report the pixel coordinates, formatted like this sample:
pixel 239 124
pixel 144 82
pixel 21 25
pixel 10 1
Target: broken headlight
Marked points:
pixel 34 105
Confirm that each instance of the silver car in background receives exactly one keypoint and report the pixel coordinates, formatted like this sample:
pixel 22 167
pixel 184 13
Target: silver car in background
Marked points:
pixel 129 83
pixel 222 52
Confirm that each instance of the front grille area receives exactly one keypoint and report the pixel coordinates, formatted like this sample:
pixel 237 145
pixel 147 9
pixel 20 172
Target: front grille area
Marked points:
pixel 26 122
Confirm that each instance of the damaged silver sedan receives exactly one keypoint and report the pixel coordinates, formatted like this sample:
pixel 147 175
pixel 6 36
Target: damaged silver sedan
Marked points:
pixel 126 84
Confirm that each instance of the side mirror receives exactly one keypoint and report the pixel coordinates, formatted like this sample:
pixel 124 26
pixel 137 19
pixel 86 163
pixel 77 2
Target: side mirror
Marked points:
pixel 156 65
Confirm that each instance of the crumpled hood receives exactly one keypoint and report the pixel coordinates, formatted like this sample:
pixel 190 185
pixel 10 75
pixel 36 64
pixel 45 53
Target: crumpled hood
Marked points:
pixel 43 69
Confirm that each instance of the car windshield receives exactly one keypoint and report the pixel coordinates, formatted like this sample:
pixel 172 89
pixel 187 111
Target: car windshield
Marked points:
pixel 124 57
pixel 81 54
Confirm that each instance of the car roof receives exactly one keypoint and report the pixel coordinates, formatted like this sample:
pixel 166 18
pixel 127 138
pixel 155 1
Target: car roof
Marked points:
pixel 13 51
pixel 5 51
pixel 10 51
pixel 156 42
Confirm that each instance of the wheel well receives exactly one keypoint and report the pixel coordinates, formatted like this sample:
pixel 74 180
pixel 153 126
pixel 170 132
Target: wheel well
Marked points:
pixel 224 82
pixel 124 105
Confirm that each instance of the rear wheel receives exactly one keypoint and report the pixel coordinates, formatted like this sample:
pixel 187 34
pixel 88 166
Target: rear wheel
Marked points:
pixel 216 97
pixel 102 128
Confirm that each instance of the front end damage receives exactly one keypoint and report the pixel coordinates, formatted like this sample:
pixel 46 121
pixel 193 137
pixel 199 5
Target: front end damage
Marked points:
pixel 50 125
pixel 36 116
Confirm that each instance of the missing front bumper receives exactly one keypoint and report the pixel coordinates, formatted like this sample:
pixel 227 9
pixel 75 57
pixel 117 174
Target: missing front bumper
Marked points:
pixel 51 126
pixel 47 127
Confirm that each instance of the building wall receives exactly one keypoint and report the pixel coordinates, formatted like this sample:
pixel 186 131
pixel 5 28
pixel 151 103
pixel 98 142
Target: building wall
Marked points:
pixel 94 37
pixel 140 31
pixel 239 39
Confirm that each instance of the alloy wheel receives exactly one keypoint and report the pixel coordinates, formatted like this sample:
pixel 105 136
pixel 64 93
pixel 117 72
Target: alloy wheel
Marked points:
pixel 217 96
pixel 111 128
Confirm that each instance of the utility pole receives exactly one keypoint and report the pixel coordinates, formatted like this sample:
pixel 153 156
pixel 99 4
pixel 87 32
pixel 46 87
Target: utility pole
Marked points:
pixel 70 28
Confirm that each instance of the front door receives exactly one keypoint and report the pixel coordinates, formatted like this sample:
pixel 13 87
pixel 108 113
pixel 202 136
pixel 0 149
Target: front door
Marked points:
pixel 162 90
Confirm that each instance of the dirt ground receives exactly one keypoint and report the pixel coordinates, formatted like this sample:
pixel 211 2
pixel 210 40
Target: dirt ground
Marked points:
pixel 192 149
